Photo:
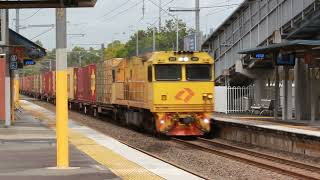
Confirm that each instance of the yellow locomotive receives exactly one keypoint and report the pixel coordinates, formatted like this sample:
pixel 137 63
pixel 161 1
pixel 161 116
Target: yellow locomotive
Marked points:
pixel 166 92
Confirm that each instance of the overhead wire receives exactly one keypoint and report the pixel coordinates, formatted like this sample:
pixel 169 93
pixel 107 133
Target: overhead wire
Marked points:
pixel 122 12
pixel 43 33
pixel 118 7
pixel 31 15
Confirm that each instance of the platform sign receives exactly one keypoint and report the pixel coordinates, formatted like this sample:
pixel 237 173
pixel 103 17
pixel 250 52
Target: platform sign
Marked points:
pixel 13 4
pixel 13 62
pixel 28 62
pixel 260 56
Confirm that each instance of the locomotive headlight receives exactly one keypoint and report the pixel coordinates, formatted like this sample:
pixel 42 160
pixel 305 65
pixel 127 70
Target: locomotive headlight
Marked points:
pixel 210 96
pixel 183 59
pixel 161 121
pixel 206 121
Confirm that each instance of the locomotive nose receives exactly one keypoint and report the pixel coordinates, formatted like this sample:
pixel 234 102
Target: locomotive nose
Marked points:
pixel 188 120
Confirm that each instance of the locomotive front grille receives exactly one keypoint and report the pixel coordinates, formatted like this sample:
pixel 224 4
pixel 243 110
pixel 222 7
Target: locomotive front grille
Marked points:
pixel 183 108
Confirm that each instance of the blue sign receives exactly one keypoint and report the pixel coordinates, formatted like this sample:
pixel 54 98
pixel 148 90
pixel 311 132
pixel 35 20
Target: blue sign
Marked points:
pixel 260 56
pixel 27 62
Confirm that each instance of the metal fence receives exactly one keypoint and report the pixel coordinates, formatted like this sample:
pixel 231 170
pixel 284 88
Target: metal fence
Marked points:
pixel 239 99
pixel 233 99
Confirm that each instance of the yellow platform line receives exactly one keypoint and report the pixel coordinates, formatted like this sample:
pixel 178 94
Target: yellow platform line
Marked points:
pixel 119 165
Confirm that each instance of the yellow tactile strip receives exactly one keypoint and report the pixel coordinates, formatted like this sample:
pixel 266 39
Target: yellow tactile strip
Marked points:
pixel 119 165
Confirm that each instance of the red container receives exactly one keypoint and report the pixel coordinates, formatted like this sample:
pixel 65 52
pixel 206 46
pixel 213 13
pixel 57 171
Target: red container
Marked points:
pixel 86 84
pixel 28 83
pixel 75 83
pixel 48 84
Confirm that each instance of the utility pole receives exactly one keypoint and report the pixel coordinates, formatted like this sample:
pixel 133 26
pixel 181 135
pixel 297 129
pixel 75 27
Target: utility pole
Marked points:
pixel 154 39
pixel 17 20
pixel 177 31
pixel 137 43
pixel 197 22
pixel 143 9
pixel 61 90
pixel 160 14
pixel 102 52
pixel 197 25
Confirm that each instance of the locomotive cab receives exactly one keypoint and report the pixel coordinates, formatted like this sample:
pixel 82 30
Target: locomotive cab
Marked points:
pixel 182 97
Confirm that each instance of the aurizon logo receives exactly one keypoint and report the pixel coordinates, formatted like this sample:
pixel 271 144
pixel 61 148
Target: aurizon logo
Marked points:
pixel 185 95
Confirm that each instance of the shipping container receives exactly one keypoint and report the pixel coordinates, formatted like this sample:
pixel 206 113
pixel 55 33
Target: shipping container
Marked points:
pixel 86 84
pixel 48 84
pixel 131 83
pixel 53 84
pixel 105 79
pixel 37 84
pixel 75 83
pixel 70 83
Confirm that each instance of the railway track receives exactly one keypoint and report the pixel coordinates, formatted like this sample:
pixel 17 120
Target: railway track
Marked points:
pixel 265 161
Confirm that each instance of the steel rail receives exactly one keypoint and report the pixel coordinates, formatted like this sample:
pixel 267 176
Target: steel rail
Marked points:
pixel 288 162
pixel 256 163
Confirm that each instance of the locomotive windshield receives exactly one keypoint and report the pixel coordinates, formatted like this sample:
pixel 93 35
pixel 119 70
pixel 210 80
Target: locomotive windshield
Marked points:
pixel 198 72
pixel 168 72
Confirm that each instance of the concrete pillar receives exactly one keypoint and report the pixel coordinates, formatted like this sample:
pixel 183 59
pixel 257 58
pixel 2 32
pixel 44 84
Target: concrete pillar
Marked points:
pixel 277 92
pixel 315 99
pixel 301 90
pixel 287 96
pixel 7 76
pixel 298 89
pixel 259 90
pixel 61 90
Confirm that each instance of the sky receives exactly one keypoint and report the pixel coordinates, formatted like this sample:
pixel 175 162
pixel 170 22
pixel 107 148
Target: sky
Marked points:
pixel 117 20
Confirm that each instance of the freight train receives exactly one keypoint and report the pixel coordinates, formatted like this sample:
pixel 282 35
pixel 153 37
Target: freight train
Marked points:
pixel 169 93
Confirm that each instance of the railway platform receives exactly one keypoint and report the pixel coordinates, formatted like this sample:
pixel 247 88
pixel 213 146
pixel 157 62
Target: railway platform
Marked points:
pixel 300 137
pixel 29 150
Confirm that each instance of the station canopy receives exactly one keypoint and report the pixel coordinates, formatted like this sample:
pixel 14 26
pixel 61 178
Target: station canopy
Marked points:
pixel 28 48
pixel 288 45
pixel 16 4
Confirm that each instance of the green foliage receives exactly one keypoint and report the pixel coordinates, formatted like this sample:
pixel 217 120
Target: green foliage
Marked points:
pixel 165 41
pixel 79 54
pixel 115 50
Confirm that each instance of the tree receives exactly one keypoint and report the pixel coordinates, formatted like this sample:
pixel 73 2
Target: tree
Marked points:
pixel 116 49
pixel 39 43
